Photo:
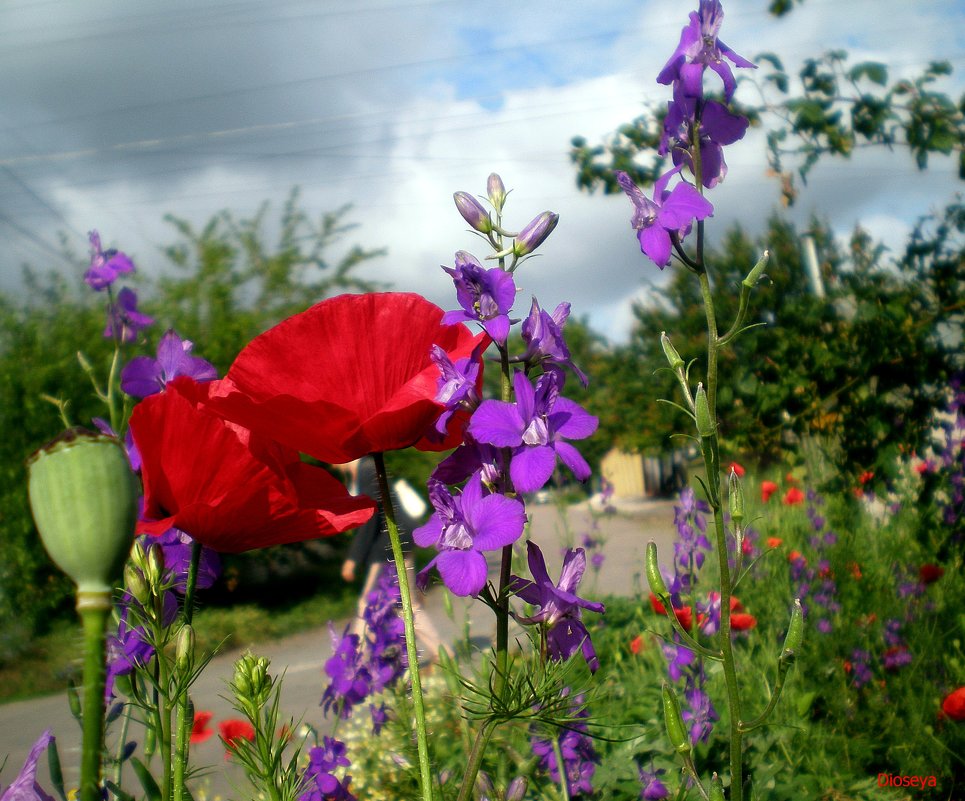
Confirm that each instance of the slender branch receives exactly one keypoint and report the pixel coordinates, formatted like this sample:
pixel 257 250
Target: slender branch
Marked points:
pixel 184 721
pixel 408 617
pixel 475 759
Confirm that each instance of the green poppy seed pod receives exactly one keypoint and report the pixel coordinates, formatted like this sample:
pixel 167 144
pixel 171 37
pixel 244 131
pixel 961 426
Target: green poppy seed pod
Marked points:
pixel 736 497
pixel 679 738
pixel 671 352
pixel 83 496
pixel 705 423
pixel 535 233
pixel 473 212
pixel 184 652
pixel 496 191
pixel 654 576
pixel 716 789
pixel 795 632
pixel 136 585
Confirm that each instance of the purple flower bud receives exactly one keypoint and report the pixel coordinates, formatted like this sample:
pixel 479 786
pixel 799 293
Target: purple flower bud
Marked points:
pixel 473 212
pixel 496 191
pixel 535 233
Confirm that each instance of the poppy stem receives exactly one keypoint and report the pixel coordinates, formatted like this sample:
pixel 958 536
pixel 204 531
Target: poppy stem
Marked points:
pixel 418 702
pixel 93 608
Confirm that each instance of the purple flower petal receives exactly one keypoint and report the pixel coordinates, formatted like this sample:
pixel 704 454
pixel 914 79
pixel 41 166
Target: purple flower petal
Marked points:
pixel 532 467
pixel 463 572
pixel 497 423
pixel 498 521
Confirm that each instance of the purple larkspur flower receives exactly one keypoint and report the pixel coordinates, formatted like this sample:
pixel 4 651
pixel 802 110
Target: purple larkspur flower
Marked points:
pixel 535 427
pixel 126 650
pixel 535 233
pixel 320 781
pixel 461 528
pixel 486 296
pixel 718 127
pixel 144 376
pixel 699 711
pixel 176 546
pixel 350 681
pixel 472 457
pixel 597 560
pixel 456 386
pixel 652 788
pixel 560 608
pixel 473 212
pixel 699 48
pixel 824 626
pixel 576 748
pixel 861 672
pixel 380 716
pixel 543 336
pixel 679 659
pixel 668 213
pixel 105 265
pixel 124 321
pixel 25 787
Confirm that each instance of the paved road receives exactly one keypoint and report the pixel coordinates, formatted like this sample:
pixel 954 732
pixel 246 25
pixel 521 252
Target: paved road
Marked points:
pixel 303 655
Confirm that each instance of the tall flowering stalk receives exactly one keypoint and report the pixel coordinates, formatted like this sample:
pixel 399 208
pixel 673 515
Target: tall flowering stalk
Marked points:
pixel 695 131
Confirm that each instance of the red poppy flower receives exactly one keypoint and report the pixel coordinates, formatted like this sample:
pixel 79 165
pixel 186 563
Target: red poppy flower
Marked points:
pixel 736 468
pixel 636 644
pixel 348 377
pixel 793 497
pixel 228 488
pixel 768 488
pixel 865 477
pixel 685 615
pixel 233 730
pixel 954 704
pixel 790 479
pixel 199 729
pixel 742 621
pixel 795 556
pixel 774 542
pixel 855 569
pixel 929 574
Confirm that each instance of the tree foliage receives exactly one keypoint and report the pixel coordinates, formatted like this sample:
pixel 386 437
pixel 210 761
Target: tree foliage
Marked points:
pixel 861 369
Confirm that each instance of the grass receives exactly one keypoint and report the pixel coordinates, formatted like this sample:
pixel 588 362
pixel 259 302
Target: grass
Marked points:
pixel 54 658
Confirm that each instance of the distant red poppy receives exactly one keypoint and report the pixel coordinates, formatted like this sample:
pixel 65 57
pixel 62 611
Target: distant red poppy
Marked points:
pixel 233 730
pixel 636 644
pixel 793 497
pixel 742 621
pixel 855 569
pixel 685 615
pixel 795 556
pixel 847 666
pixel 929 574
pixel 865 477
pixel 736 468
pixel 199 729
pixel 790 479
pixel 228 488
pixel 348 377
pixel 954 704
pixel 768 488
pixel 774 542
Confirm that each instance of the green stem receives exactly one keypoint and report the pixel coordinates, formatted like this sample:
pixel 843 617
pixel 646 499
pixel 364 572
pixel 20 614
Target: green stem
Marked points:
pixel 94 609
pixel 164 718
pixel 475 759
pixel 418 702
pixel 505 565
pixel 782 671
pixel 561 767
pixel 184 720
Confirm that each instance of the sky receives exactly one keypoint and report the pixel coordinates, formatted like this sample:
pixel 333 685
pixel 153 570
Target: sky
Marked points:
pixel 113 114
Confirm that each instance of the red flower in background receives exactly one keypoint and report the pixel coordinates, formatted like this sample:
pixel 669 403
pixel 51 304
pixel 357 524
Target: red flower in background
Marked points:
pixel 348 377
pixel 774 542
pixel 929 574
pixel 736 468
pixel 793 497
pixel 233 730
pixel 685 615
pixel 199 729
pixel 636 644
pixel 865 477
pixel 741 621
pixel 225 486
pixel 954 704
pixel 768 488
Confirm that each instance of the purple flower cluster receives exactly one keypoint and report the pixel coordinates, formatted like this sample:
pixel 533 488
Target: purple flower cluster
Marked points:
pixel 510 446
pixel 364 666
pixel 320 781
pixel 576 747
pixel 813 580
pixel 653 789
pixel 695 133
pixel 124 320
